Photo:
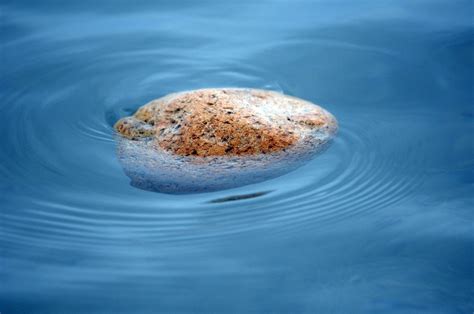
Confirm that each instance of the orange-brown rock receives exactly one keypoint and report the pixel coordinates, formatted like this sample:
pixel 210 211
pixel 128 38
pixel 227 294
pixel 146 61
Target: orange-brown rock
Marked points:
pixel 228 121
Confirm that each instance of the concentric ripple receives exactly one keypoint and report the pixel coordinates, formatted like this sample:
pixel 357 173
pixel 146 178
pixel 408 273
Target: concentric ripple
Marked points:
pixel 381 222
pixel 78 196
pixel 64 188
pixel 74 193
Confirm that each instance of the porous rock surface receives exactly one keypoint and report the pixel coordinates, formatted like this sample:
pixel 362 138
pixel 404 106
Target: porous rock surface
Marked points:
pixel 217 122
pixel 212 139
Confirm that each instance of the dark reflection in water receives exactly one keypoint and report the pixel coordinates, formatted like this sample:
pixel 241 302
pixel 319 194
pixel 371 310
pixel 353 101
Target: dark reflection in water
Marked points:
pixel 381 222
pixel 238 197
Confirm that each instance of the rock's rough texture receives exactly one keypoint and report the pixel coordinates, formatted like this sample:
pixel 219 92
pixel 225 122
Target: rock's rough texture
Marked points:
pixel 212 139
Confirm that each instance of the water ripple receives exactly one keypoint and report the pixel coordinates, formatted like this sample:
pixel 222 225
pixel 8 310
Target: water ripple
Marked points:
pixel 356 176
pixel 61 155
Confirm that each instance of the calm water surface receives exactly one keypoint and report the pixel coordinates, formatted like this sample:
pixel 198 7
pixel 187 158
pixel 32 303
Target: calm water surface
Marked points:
pixel 382 222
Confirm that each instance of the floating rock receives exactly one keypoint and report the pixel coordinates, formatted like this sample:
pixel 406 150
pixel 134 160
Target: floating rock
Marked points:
pixel 213 139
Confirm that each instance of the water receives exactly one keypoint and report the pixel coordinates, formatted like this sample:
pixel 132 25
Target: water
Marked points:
pixel 381 222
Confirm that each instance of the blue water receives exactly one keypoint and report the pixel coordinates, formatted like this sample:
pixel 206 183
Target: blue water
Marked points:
pixel 382 222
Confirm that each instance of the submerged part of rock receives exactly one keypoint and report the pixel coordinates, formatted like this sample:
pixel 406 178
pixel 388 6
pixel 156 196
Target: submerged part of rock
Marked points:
pixel 213 139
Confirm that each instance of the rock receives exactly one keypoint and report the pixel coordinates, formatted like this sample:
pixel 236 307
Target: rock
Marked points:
pixel 213 139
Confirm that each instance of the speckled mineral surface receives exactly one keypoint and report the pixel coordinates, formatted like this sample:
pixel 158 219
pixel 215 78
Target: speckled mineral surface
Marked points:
pixel 211 139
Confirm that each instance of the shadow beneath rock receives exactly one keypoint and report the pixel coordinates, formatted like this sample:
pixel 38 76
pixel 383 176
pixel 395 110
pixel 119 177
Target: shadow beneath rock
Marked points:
pixel 238 197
